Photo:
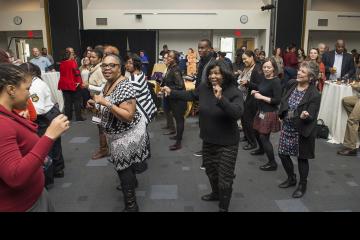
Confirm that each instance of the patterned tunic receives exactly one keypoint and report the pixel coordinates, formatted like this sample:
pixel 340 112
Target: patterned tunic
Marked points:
pixel 289 137
pixel 128 142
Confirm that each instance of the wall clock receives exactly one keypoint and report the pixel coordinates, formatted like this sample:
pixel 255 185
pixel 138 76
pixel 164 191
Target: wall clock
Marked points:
pixel 17 20
pixel 244 19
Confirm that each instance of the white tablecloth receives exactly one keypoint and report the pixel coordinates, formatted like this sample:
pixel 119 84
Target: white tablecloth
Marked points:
pixel 52 80
pixel 332 111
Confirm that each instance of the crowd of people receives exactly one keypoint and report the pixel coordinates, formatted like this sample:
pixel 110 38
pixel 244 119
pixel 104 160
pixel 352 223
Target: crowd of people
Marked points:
pixel 255 95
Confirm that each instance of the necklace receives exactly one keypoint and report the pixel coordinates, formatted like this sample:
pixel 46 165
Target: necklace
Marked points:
pixel 110 87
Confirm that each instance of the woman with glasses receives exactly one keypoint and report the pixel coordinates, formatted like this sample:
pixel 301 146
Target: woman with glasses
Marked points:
pixel 123 125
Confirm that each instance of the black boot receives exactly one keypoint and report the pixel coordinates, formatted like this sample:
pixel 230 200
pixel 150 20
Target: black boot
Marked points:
pixel 225 196
pixel 290 182
pixel 300 191
pixel 130 201
pixel 214 195
pixel 136 185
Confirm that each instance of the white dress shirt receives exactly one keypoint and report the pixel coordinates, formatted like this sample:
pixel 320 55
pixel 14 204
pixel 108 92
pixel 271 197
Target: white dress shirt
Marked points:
pixel 40 95
pixel 338 65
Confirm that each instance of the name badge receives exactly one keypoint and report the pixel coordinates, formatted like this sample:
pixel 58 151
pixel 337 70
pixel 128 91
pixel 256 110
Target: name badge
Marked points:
pixel 96 120
pixel 262 115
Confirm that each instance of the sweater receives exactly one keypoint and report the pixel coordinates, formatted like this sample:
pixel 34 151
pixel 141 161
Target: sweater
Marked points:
pixel 217 118
pixel 269 88
pixel 69 76
pixel 22 155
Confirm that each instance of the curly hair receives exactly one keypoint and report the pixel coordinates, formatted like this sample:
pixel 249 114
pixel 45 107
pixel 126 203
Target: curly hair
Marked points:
pixel 11 75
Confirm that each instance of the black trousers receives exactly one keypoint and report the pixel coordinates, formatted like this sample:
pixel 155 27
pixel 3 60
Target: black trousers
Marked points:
pixel 85 94
pixel 55 152
pixel 72 99
pixel 303 165
pixel 127 178
pixel 219 162
pixel 178 109
pixel 247 121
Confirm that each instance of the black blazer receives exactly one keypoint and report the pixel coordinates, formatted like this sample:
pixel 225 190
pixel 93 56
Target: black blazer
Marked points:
pixel 310 103
pixel 348 66
pixel 173 78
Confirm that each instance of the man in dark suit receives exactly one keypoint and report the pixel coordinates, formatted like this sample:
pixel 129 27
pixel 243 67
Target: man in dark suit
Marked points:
pixel 338 63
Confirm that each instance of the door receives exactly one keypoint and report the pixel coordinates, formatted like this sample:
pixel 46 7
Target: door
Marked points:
pixel 249 43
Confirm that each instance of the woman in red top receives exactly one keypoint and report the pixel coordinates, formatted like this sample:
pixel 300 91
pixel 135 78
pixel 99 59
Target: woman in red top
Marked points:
pixel 314 55
pixel 22 152
pixel 70 84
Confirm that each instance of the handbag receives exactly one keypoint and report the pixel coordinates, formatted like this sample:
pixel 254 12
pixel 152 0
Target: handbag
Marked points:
pixel 322 130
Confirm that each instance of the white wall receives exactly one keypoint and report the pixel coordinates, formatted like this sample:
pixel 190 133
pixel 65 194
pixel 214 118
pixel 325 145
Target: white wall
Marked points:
pixel 336 24
pixel 31 20
pixel 182 40
pixel 335 5
pixel 224 19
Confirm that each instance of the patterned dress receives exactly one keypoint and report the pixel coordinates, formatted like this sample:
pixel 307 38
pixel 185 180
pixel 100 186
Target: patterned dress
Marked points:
pixel 289 137
pixel 128 142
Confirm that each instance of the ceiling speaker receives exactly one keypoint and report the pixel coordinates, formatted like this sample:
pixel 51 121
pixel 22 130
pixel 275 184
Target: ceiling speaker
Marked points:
pixel 138 16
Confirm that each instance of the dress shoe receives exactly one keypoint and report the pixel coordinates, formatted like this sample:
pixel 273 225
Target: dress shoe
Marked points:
pixel 198 154
pixel 300 191
pixel 269 167
pixel 290 182
pixel 173 138
pixel 249 147
pixel 257 152
pixel 170 133
pixel 59 174
pixel 212 197
pixel 175 147
pixel 348 152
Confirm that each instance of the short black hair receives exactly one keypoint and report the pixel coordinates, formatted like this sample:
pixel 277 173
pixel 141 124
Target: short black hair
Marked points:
pixel 136 60
pixel 209 43
pixel 98 52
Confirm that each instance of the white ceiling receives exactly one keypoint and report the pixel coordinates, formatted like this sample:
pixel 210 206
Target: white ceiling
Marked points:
pixel 173 4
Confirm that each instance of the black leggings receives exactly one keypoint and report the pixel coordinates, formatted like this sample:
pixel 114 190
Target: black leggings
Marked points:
pixel 289 167
pixel 266 145
pixel 127 178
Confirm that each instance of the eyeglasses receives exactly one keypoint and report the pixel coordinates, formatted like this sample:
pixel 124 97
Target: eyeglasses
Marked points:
pixel 110 65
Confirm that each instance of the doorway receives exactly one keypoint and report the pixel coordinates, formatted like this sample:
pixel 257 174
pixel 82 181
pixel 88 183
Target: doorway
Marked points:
pixel 249 43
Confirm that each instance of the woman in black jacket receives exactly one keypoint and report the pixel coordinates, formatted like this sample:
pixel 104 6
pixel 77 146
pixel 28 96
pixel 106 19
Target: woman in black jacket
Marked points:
pixel 222 105
pixel 174 80
pixel 299 111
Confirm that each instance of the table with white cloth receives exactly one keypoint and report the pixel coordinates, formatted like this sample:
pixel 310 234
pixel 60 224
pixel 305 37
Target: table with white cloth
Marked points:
pixel 52 80
pixel 332 110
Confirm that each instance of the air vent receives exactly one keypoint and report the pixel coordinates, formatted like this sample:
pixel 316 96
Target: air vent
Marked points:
pixel 101 21
pixel 323 22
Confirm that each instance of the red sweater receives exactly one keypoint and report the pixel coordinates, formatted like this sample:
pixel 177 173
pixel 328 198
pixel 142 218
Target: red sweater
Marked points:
pixel 290 60
pixel 69 75
pixel 22 154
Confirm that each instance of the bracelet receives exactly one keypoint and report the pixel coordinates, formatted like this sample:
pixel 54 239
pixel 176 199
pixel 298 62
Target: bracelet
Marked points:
pixel 109 106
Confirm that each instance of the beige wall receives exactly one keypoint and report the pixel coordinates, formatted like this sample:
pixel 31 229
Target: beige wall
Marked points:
pixel 336 24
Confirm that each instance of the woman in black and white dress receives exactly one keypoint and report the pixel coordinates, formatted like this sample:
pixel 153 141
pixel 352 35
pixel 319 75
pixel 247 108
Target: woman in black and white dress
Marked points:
pixel 124 126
